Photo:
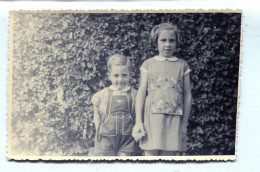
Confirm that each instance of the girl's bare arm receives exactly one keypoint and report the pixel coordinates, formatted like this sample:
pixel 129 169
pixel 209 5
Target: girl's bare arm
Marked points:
pixel 187 99
pixel 140 97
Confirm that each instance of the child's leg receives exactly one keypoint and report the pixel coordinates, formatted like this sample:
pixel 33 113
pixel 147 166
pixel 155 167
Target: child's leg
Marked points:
pixel 104 146
pixel 151 152
pixel 123 153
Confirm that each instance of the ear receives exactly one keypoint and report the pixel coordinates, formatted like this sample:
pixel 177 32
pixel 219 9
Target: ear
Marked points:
pixel 131 75
pixel 108 75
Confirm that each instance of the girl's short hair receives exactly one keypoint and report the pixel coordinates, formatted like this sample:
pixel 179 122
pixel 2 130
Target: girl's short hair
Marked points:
pixel 164 26
pixel 118 60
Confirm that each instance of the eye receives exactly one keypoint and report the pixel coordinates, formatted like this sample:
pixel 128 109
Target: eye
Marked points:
pixel 125 75
pixel 172 40
pixel 163 40
pixel 116 75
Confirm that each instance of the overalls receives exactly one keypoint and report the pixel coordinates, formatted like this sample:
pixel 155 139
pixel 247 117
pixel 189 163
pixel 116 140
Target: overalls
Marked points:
pixel 115 131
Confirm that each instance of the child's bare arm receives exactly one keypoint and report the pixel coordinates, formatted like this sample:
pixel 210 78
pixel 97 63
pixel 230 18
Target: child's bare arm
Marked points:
pixel 187 99
pixel 97 118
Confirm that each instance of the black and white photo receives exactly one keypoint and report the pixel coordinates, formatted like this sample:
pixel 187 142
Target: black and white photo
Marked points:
pixel 143 85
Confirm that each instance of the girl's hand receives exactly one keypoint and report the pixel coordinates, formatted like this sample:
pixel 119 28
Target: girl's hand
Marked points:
pixel 138 131
pixel 139 128
pixel 184 130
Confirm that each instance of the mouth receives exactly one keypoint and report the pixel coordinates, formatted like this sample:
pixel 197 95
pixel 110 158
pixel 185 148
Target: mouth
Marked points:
pixel 120 85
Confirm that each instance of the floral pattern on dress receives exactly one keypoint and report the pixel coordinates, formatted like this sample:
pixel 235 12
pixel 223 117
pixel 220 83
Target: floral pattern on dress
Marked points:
pixel 166 94
pixel 160 82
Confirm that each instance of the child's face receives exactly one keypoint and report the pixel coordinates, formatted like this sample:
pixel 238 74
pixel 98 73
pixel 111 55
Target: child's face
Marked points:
pixel 167 43
pixel 119 76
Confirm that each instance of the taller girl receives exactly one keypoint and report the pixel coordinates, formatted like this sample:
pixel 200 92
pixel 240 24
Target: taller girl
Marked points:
pixel 165 94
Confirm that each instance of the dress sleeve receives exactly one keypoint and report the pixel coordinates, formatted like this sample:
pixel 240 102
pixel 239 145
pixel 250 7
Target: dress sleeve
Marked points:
pixel 144 67
pixel 186 68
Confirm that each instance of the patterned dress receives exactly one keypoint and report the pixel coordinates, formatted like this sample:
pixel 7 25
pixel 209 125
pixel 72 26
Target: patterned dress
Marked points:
pixel 164 104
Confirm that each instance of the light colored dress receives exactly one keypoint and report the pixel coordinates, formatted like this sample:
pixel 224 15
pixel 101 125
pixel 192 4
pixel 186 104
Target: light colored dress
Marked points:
pixel 164 104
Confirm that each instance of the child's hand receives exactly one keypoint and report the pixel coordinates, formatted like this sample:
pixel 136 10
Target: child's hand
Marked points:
pixel 138 131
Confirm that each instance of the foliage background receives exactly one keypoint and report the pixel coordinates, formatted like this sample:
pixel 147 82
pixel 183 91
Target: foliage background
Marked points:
pixel 59 62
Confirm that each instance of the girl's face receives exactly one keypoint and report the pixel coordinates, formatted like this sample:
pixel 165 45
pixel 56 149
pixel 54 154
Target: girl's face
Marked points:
pixel 167 43
pixel 119 76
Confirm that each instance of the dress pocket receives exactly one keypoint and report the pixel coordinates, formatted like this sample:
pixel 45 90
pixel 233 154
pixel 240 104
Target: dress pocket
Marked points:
pixel 128 124
pixel 109 126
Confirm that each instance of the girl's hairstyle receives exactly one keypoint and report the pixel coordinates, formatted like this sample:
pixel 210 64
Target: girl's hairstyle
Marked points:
pixel 164 26
pixel 118 60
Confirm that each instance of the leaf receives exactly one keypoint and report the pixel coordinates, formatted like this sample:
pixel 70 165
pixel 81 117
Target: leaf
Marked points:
pixel 204 96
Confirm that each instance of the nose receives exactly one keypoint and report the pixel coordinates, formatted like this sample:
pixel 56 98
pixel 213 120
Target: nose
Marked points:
pixel 167 43
pixel 120 78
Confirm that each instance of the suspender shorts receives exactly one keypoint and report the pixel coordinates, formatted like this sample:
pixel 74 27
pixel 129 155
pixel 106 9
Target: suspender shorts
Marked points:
pixel 115 130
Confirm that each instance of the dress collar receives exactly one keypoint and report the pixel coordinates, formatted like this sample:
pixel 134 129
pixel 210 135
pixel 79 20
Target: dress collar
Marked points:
pixel 112 87
pixel 160 58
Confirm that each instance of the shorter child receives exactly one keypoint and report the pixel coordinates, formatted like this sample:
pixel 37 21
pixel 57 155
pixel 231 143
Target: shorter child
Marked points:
pixel 114 113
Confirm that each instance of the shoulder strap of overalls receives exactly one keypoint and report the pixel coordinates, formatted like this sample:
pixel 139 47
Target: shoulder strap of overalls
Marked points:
pixel 108 100
pixel 131 100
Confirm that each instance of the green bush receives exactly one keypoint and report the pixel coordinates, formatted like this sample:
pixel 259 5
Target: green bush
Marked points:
pixel 59 62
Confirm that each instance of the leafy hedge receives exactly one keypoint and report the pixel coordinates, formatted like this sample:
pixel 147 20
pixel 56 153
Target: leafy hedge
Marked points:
pixel 60 59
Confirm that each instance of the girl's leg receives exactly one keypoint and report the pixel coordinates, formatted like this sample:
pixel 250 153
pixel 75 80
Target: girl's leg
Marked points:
pixel 169 153
pixel 123 153
pixel 151 152
pixel 104 154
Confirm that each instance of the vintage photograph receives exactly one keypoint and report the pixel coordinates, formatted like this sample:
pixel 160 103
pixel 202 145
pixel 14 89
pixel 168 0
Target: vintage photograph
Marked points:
pixel 116 85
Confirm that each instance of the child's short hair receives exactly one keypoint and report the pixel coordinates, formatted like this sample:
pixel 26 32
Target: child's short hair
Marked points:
pixel 164 26
pixel 118 60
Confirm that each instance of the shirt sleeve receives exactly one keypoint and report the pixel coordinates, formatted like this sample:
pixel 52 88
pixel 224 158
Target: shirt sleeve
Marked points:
pixel 144 66
pixel 95 100
pixel 99 100
pixel 186 68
